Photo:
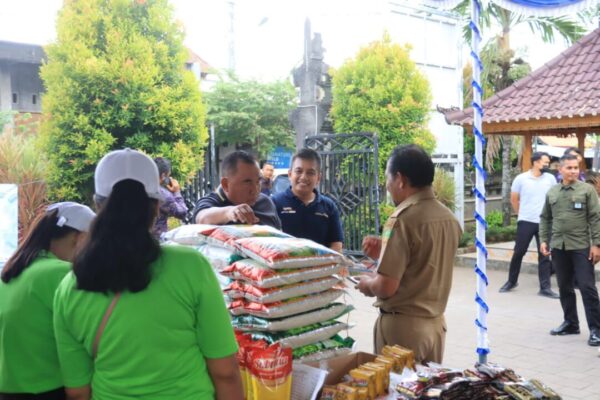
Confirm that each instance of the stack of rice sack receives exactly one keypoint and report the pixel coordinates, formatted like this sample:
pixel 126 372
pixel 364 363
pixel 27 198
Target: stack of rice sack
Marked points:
pixel 280 289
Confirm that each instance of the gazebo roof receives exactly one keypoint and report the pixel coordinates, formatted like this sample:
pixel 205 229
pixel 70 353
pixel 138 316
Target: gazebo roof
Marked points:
pixel 558 98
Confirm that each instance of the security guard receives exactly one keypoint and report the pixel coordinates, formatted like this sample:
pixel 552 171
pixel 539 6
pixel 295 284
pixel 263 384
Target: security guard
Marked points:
pixel 416 256
pixel 571 218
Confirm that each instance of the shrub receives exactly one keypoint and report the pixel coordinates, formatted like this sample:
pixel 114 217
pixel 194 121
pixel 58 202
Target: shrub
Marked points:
pixel 381 90
pixel 22 163
pixel 115 78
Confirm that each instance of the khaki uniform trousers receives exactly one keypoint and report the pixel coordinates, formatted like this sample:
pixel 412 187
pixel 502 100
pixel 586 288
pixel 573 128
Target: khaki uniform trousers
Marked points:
pixel 424 336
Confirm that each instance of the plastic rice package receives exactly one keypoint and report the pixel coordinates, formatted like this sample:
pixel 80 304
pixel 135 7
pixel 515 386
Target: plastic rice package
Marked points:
pixel 261 276
pixel 330 348
pixel 302 336
pixel 226 235
pixel 287 252
pixel 245 344
pixel 190 235
pixel 284 308
pixel 218 257
pixel 242 290
pixel 270 373
pixel 253 323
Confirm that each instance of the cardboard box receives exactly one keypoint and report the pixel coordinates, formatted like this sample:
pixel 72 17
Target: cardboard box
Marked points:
pixel 337 367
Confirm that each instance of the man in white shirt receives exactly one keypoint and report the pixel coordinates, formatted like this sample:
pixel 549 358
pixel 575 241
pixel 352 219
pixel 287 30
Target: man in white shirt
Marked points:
pixel 528 193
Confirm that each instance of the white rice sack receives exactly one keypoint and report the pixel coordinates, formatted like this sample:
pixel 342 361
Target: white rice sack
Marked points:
pixel 287 252
pixel 302 336
pixel 284 308
pixel 259 275
pixel 219 257
pixel 189 235
pixel 242 290
pixel 253 323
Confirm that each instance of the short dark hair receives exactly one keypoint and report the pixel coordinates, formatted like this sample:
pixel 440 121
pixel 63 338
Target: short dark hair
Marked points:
pixel 570 150
pixel 265 162
pixel 163 165
pixel 567 157
pixel 308 155
pixel 414 163
pixel 230 162
pixel 538 156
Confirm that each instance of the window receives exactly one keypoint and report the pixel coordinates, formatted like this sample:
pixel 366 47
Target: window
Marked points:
pixel 34 99
pixel 15 98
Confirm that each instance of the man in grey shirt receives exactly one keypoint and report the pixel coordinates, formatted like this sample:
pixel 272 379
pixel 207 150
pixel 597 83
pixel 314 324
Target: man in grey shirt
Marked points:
pixel 238 199
pixel 528 193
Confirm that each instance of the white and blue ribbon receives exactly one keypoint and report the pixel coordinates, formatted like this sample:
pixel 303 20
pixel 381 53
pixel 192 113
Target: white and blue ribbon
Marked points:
pixel 480 200
pixel 537 8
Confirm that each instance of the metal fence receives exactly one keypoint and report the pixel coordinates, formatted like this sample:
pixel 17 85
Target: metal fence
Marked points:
pixel 349 177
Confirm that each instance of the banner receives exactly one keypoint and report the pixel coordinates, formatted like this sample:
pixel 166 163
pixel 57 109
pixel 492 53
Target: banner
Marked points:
pixel 9 216
pixel 538 8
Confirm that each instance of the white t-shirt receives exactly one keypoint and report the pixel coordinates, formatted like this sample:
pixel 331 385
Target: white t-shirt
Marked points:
pixel 532 194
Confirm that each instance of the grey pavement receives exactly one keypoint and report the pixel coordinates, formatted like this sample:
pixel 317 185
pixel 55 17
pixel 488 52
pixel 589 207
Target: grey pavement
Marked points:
pixel 519 324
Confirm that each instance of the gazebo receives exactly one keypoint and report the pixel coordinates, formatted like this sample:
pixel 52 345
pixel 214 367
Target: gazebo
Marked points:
pixel 562 98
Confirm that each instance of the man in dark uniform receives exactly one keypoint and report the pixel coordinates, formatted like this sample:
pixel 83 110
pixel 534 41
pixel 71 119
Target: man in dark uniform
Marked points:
pixel 238 199
pixel 416 256
pixel 304 212
pixel 570 223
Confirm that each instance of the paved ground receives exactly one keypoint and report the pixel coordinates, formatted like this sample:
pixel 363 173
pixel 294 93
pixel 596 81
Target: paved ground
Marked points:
pixel 519 324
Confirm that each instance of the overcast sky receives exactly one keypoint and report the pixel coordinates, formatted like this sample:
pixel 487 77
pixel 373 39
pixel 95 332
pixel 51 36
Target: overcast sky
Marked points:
pixel 268 33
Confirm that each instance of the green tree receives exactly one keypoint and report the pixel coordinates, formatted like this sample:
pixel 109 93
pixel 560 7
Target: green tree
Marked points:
pixel 252 114
pixel 503 21
pixel 381 90
pixel 115 78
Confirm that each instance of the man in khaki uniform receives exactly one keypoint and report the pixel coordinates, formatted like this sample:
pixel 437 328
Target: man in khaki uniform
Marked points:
pixel 416 255
pixel 571 220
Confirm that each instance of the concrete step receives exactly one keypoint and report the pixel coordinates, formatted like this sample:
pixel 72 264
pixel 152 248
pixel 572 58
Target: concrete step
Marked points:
pixel 499 255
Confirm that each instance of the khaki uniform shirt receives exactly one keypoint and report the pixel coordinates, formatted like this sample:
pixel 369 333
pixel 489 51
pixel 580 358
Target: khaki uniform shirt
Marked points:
pixel 419 245
pixel 570 218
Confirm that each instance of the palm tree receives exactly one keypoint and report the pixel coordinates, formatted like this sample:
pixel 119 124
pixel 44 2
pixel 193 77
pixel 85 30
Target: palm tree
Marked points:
pixel 494 16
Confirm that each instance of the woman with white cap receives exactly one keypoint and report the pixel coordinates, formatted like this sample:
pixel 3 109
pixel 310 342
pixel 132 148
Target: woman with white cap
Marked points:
pixel 29 366
pixel 134 319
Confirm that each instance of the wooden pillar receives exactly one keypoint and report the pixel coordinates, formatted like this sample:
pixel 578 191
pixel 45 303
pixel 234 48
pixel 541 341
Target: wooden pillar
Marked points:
pixel 581 145
pixel 526 152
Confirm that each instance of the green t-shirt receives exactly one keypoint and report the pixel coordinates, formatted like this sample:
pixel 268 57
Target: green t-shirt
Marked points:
pixel 155 342
pixel 28 358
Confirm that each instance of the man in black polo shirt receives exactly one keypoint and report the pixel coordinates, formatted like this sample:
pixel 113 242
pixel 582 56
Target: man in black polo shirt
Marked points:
pixel 303 211
pixel 238 199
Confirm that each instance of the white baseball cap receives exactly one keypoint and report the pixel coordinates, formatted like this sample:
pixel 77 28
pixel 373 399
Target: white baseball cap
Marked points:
pixel 119 165
pixel 74 215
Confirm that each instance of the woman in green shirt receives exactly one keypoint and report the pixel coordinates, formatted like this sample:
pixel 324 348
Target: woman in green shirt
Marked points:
pixel 134 319
pixel 28 359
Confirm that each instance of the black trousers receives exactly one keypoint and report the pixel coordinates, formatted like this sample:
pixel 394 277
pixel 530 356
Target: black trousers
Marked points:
pixel 571 264
pixel 525 232
pixel 57 394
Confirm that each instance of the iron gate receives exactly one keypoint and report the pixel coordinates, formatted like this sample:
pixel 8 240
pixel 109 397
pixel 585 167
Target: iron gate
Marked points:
pixel 349 176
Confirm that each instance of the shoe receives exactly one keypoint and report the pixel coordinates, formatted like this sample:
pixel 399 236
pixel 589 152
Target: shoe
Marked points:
pixel 508 286
pixel 594 339
pixel 565 329
pixel 548 293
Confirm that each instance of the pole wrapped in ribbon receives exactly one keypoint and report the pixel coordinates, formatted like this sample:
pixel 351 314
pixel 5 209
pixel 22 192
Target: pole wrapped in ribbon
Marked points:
pixel 479 190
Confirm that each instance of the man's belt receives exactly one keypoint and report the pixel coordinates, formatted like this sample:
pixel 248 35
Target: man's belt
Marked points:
pixel 382 311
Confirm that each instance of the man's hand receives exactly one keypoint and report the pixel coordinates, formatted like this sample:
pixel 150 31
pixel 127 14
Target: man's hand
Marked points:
pixel 242 213
pixel 173 186
pixel 364 285
pixel 545 250
pixel 594 254
pixel 371 246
